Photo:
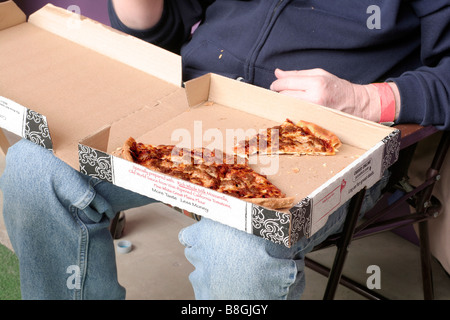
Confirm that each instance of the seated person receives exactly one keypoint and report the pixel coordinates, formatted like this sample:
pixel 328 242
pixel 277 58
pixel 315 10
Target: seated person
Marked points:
pixel 321 51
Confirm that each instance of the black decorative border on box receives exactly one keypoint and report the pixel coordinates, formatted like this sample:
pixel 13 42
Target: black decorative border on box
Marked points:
pixel 301 220
pixel 36 129
pixel 271 225
pixel 283 228
pixel 391 150
pixel 95 163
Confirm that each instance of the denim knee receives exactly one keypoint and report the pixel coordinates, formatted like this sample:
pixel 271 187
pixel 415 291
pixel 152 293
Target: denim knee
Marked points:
pixel 231 264
pixel 38 178
pixel 55 220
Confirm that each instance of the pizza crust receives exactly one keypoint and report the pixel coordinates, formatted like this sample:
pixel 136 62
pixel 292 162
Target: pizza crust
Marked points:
pixel 321 133
pixel 126 149
pixel 272 203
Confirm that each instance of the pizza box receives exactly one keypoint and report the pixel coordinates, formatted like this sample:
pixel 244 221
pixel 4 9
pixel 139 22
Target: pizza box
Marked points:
pixel 94 87
pixel 221 111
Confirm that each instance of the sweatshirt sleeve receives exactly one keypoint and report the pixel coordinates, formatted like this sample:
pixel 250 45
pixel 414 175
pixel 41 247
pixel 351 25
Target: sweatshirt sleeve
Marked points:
pixel 425 92
pixel 175 25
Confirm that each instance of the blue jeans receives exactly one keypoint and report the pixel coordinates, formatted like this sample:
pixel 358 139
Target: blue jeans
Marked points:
pixel 58 223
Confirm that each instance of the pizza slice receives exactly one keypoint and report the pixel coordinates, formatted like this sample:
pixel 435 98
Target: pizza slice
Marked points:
pixel 303 138
pixel 211 169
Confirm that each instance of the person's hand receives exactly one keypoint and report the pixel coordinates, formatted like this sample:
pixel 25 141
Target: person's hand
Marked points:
pixel 321 87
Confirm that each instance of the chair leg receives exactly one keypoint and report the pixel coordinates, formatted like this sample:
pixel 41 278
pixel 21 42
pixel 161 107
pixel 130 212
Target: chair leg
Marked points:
pixel 343 245
pixel 425 258
pixel 117 225
pixel 421 207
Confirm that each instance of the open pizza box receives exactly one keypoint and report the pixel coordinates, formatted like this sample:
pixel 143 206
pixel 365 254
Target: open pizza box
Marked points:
pixel 79 75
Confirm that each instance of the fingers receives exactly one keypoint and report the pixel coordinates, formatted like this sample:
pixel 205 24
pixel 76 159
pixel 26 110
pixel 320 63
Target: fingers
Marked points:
pixel 306 95
pixel 298 79
pixel 315 85
pixel 290 83
pixel 306 73
pixel 300 84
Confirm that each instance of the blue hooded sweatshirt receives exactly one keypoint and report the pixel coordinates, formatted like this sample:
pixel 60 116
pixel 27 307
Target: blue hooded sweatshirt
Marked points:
pixel 363 41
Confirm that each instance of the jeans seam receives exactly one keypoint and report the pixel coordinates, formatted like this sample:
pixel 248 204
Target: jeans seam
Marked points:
pixel 83 243
pixel 82 253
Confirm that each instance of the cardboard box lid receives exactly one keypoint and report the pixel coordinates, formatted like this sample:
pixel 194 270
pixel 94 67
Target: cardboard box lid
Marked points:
pixel 110 42
pixel 66 67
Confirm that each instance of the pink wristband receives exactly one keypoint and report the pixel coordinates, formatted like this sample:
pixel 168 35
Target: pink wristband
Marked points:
pixel 387 100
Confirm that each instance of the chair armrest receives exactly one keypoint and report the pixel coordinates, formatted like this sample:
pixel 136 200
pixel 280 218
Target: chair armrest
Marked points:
pixel 412 133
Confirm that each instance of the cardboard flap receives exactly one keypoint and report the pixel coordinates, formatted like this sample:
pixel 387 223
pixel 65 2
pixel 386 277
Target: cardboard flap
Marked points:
pixel 197 90
pixel 10 15
pixel 116 45
pixel 99 140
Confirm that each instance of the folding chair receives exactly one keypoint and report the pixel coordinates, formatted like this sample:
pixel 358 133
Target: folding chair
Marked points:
pixel 379 219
